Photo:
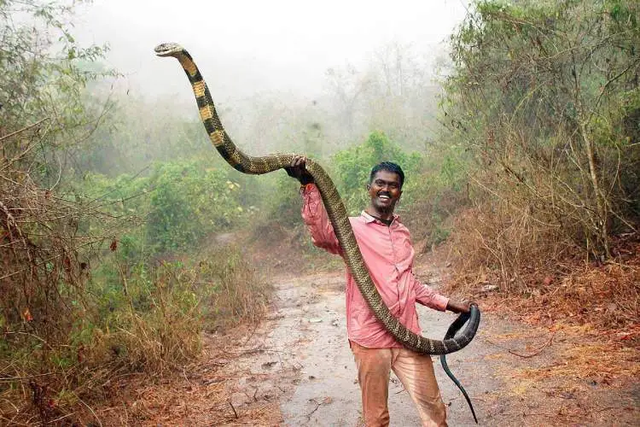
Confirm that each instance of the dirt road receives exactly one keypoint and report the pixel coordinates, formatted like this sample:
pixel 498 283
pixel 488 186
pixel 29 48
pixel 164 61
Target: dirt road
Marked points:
pixel 308 367
pixel 328 393
pixel 296 369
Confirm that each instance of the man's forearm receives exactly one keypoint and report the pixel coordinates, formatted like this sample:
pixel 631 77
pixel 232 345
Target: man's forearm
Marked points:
pixel 458 307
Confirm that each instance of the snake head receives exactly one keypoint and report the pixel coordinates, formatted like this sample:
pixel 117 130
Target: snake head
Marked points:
pixel 168 49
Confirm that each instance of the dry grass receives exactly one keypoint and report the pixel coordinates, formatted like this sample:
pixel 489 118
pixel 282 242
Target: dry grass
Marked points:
pixel 588 315
pixel 604 299
pixel 241 293
pixel 156 332
pixel 534 273
pixel 516 271
pixel 201 394
pixel 599 362
pixel 164 337
pixel 494 243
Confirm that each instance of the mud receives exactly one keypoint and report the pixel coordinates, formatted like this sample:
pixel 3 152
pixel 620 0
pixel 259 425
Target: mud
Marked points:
pixel 306 364
pixel 328 393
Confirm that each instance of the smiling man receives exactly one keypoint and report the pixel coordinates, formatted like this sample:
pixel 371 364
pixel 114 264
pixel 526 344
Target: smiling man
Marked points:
pixel 386 247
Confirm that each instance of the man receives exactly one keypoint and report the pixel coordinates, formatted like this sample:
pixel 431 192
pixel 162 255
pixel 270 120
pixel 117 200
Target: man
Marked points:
pixel 386 247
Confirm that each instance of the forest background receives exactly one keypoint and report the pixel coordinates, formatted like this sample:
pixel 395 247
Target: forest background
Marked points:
pixel 123 235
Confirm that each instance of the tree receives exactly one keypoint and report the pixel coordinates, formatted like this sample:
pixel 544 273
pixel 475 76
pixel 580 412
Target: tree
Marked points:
pixel 43 270
pixel 352 167
pixel 543 94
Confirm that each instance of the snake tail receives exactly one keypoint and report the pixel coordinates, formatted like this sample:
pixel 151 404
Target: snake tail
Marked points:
pixel 451 332
pixel 333 204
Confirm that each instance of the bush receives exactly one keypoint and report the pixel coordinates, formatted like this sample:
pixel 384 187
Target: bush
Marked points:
pixel 187 203
pixel 548 123
pixel 141 319
pixel 352 167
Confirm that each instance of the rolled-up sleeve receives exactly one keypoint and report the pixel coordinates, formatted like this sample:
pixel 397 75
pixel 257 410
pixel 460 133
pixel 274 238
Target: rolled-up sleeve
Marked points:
pixel 315 217
pixel 425 295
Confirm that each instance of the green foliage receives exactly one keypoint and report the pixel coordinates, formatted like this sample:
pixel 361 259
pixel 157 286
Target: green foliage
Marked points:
pixel 173 208
pixel 352 168
pixel 543 98
pixel 540 97
pixel 188 203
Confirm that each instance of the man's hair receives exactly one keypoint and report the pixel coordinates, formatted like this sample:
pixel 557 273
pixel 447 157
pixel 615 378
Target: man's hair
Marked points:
pixel 389 167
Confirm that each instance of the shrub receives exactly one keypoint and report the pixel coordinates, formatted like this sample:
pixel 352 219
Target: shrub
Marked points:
pixel 352 167
pixel 544 97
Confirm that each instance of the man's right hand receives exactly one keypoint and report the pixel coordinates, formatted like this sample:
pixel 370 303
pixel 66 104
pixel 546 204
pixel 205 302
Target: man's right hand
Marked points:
pixel 298 170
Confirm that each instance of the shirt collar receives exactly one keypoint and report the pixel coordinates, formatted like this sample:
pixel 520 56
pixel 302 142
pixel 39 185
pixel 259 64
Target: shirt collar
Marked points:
pixel 368 218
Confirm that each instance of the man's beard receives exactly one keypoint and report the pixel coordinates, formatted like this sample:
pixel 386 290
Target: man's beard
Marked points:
pixel 385 209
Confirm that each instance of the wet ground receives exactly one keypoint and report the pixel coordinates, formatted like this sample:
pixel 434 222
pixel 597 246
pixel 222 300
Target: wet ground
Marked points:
pixel 296 369
pixel 309 369
pixel 328 393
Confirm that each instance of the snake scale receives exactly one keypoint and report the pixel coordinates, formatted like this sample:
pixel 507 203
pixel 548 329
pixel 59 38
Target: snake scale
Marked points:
pixel 335 209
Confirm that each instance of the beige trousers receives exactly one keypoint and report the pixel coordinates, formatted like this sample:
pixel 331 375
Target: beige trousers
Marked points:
pixel 414 370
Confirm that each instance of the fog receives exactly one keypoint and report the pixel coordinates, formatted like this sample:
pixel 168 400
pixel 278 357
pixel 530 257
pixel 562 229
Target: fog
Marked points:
pixel 249 47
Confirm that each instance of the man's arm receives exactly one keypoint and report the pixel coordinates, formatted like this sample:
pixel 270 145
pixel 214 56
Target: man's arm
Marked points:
pixel 313 211
pixel 425 295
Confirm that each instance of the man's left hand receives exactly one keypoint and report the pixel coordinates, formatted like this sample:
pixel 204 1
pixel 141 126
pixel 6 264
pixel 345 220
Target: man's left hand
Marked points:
pixel 458 307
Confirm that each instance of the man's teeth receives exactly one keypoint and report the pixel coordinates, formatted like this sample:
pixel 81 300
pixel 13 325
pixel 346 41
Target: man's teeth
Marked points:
pixel 382 196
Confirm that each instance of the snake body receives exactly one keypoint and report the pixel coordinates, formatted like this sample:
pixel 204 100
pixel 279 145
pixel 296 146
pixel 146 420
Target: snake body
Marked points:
pixel 333 204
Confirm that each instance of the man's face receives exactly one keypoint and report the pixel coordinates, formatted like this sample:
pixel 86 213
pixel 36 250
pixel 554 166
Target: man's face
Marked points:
pixel 384 191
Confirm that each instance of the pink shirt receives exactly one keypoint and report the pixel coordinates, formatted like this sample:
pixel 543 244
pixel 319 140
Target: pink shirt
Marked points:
pixel 388 253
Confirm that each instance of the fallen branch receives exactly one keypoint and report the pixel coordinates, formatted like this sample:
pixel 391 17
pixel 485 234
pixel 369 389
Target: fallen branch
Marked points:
pixel 234 409
pixel 526 356
pixel 535 353
pixel 314 410
pixel 250 335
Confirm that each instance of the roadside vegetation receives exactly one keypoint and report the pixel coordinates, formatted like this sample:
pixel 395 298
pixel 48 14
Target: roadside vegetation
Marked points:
pixel 105 270
pixel 124 237
pixel 543 106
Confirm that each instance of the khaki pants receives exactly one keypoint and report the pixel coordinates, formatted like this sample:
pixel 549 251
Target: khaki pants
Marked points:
pixel 414 370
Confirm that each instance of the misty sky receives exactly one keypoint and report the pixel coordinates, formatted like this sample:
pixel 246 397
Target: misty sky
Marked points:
pixel 243 47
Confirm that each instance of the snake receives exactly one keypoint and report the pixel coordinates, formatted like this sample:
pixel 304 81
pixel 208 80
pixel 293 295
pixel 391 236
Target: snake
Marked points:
pixel 336 212
pixel 451 332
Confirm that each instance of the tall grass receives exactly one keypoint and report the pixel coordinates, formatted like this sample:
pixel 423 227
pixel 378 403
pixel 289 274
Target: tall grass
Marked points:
pixel 149 320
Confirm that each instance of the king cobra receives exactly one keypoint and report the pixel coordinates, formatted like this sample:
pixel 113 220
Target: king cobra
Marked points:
pixel 336 212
